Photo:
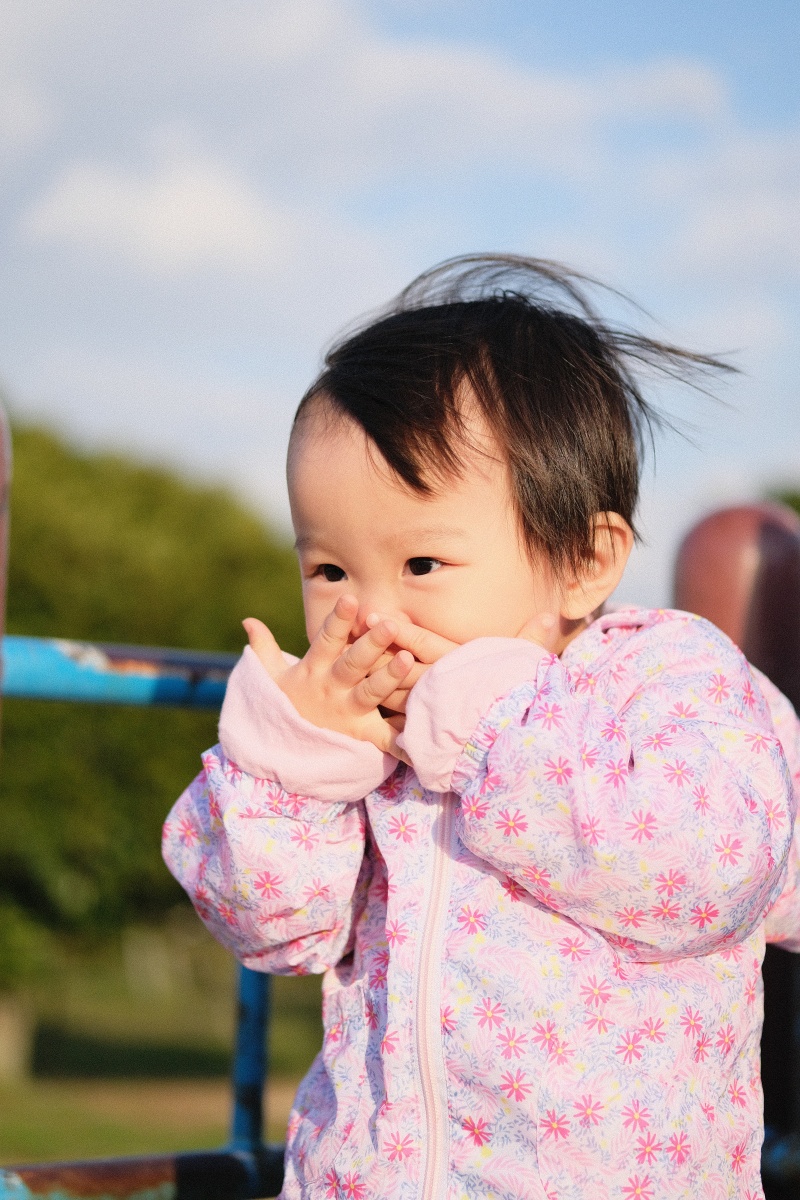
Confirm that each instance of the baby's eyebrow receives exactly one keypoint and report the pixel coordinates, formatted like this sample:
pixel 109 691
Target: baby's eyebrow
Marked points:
pixel 425 532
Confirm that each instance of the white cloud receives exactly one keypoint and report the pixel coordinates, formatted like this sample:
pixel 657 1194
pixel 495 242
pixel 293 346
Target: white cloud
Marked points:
pixel 184 215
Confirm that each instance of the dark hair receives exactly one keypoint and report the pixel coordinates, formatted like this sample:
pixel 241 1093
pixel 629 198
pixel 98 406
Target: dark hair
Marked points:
pixel 553 381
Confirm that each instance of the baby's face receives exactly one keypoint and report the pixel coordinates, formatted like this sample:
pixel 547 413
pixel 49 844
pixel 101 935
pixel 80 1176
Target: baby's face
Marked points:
pixel 452 562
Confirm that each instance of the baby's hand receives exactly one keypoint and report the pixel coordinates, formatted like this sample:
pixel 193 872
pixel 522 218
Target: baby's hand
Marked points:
pixel 426 647
pixel 332 686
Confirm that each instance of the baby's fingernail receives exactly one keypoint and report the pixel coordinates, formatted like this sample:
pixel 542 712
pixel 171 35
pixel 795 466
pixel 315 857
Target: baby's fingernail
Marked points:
pixel 372 619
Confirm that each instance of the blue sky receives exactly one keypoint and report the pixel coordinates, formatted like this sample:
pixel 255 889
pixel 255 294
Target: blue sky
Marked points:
pixel 197 195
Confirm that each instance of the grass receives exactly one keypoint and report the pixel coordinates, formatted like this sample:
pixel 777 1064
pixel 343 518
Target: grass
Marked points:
pixel 50 1120
pixel 132 1050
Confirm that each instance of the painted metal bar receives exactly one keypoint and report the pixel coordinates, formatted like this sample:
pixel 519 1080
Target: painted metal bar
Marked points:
pixel 250 1059
pixel 103 673
pixel 209 1175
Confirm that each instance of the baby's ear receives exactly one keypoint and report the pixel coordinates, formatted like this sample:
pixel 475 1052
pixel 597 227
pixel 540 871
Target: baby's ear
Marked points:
pixel 597 579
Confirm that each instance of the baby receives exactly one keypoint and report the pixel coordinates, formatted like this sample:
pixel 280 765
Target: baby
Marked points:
pixel 532 848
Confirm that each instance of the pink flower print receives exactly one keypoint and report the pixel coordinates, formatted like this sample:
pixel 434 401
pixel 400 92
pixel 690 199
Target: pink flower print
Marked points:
pixel 725 1039
pixel 647 1148
pixel 588 1110
pixel 774 814
pixel 617 772
pixel 589 756
pixel 631 917
pixel 729 850
pixel 513 1043
pixel 704 914
pixel 613 731
pixel 232 772
pixel 549 714
pixel 401 828
pixel 665 911
pixel 331 1182
pixel 475 808
pixel 691 1022
pixel 638 1189
pixel 371 1015
pixel 561 1052
pixel 396 933
pixel 294 804
pixel 702 1047
pixel 737 1094
pixel 470 920
pixel 630 1048
pixel 592 831
pixel 643 826
pixel 538 876
pixel 555 1125
pixel 515 1084
pixel 398 1148
pixel 719 689
pixel 708 1112
pixel 227 913
pixel 476 1131
pixel 653 1030
pixel 572 948
pixel 511 822
pixel 215 808
pixel 750 991
pixel 585 681
pixel 268 885
pixel 678 772
pixel 305 836
pixel 678 1148
pixel 187 833
pixel 636 1116
pixel 448 1018
pixel 757 741
pixel 202 901
pixel 489 1013
pixel 389 1042
pixel 598 1023
pixel 738 1157
pixel 316 890
pixel 702 800
pixel 557 770
pixel 683 712
pixel 670 882
pixel 596 992
pixel 351 1187
pixel 545 1035
pixel 657 741
pixel 514 891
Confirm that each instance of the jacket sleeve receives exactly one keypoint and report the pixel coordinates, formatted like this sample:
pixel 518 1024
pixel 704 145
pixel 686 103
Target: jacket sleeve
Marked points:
pixel 658 813
pixel 783 919
pixel 272 850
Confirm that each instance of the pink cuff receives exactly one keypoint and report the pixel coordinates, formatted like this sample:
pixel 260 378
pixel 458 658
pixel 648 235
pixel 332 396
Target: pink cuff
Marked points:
pixel 447 704
pixel 263 733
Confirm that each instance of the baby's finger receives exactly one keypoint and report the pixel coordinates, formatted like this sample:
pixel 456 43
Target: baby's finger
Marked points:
pixel 360 658
pixel 427 647
pixel 333 636
pixel 373 689
pixel 386 737
pixel 399 698
pixel 264 645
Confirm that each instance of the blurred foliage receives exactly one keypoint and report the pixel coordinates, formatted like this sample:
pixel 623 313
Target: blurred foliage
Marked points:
pixel 105 549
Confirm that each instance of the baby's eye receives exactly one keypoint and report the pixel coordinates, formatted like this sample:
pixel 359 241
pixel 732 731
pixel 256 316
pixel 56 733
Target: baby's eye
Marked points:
pixel 330 572
pixel 423 566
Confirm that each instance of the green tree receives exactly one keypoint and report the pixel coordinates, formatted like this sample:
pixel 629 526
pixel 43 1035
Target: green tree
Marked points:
pixel 105 549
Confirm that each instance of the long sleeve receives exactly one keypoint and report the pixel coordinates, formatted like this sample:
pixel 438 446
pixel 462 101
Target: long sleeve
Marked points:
pixel 647 798
pixel 278 874
pixel 783 919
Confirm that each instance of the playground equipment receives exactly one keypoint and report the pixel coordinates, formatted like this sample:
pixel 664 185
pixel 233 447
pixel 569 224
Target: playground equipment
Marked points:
pixel 740 568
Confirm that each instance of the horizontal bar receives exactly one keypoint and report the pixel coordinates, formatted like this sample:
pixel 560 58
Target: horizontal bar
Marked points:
pixel 103 673
pixel 210 1175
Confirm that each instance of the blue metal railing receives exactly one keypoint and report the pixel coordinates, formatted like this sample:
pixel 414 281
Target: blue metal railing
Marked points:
pixel 246 1169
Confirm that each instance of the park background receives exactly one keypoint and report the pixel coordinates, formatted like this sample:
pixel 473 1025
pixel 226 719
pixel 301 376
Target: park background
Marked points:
pixel 195 198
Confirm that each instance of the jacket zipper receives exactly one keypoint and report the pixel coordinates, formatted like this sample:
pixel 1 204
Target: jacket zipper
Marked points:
pixel 429 990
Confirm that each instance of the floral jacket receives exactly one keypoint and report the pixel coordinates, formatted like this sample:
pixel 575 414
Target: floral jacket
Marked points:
pixel 542 945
